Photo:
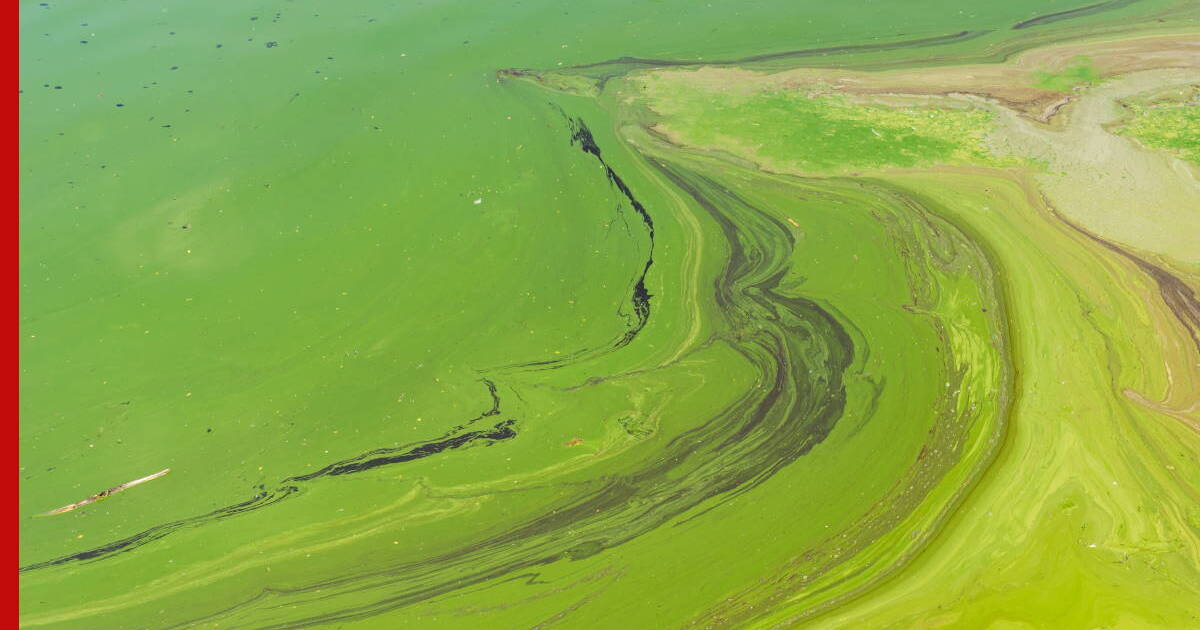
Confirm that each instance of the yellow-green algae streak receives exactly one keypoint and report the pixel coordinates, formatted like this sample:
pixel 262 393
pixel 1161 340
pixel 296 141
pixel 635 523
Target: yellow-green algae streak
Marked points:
pixel 749 329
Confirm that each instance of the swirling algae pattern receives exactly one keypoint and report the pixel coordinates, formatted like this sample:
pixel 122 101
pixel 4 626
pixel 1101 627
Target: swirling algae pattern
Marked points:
pixel 913 383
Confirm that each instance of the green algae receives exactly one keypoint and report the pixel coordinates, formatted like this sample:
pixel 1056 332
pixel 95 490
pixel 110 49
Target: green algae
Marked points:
pixel 1081 74
pixel 299 274
pixel 821 132
pixel 1110 531
pixel 1087 300
pixel 1170 122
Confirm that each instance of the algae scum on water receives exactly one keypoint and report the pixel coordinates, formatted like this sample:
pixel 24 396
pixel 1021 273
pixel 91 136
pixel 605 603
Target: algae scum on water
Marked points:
pixel 610 315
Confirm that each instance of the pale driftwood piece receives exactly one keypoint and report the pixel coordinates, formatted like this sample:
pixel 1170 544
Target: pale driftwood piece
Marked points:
pixel 107 493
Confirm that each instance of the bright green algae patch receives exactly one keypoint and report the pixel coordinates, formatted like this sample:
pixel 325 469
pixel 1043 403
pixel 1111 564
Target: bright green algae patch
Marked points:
pixel 1170 122
pixel 816 131
pixel 1080 74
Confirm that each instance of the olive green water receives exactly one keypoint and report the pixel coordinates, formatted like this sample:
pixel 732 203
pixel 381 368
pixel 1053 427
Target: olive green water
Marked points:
pixel 428 345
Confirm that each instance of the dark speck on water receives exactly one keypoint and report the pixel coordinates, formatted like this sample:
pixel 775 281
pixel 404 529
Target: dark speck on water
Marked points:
pixel 58 87
pixel 220 45
pixel 174 67
pixel 83 41
pixel 272 44
pixel 120 104
pixel 254 19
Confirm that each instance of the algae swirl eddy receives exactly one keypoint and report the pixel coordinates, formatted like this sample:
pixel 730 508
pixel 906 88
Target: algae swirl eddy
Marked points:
pixel 610 314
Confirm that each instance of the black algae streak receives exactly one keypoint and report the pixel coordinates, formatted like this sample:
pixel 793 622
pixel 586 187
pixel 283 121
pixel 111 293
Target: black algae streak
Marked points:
pixel 582 136
pixel 1071 14
pixel 604 70
pixel 640 296
pixel 375 459
pixel 455 438
pixel 263 499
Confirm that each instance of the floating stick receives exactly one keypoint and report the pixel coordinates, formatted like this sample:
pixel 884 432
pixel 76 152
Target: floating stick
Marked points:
pixel 107 493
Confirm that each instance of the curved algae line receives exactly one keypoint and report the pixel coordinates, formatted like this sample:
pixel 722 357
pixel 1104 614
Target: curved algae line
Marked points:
pixel 1178 297
pixel 801 359
pixel 972 237
pixel 692 275
pixel 1155 23
pixel 1000 437
pixel 455 438
pixel 878 612
pixel 1070 14
pixel 581 136
pixel 792 54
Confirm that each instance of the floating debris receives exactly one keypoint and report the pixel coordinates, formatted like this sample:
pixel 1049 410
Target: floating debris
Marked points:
pixel 107 493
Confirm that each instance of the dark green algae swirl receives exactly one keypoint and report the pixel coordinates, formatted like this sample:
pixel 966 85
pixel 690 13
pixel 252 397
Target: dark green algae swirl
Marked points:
pixel 966 419
pixel 800 353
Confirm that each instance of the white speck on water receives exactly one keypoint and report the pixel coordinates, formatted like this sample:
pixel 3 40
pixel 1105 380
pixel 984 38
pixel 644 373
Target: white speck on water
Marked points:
pixel 479 201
